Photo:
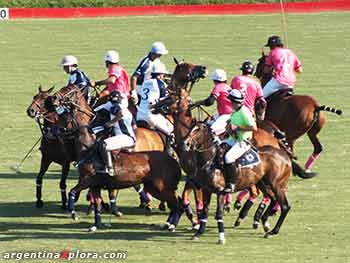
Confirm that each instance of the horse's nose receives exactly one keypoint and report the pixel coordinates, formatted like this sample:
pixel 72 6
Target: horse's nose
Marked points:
pixel 31 112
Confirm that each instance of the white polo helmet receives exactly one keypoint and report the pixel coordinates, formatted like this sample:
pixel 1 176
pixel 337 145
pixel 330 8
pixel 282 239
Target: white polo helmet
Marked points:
pixel 69 61
pixel 159 67
pixel 236 95
pixel 219 75
pixel 112 56
pixel 159 48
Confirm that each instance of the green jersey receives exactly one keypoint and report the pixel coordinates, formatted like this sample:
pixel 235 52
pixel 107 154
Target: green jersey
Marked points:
pixel 243 117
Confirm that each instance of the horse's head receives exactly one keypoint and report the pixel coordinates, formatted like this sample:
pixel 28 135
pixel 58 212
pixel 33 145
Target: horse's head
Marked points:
pixel 260 71
pixel 185 73
pixel 198 139
pixel 69 105
pixel 36 108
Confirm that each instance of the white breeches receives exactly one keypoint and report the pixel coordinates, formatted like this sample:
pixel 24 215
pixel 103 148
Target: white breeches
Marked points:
pixel 158 121
pixel 236 151
pixel 118 142
pixel 272 86
pixel 219 125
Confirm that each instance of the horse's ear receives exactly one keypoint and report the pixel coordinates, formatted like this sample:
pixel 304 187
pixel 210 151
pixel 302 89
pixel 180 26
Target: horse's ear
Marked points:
pixel 176 61
pixel 51 89
pixel 40 88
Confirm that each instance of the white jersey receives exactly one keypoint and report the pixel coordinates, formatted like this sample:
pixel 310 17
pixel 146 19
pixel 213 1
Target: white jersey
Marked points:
pixel 151 91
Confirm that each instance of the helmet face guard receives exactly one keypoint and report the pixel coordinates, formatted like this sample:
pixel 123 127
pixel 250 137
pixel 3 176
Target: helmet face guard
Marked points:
pixel 116 97
pixel 247 67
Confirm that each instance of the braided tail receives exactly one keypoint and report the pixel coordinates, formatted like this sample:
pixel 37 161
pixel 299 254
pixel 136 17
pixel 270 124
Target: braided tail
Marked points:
pixel 329 109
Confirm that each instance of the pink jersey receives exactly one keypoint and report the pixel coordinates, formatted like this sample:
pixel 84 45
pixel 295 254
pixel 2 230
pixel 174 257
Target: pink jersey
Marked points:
pixel 121 83
pixel 224 105
pixel 285 62
pixel 251 89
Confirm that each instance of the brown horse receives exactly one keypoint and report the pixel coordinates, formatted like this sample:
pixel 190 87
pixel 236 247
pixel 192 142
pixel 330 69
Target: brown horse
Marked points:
pixel 56 147
pixel 276 163
pixel 295 114
pixel 53 149
pixel 159 173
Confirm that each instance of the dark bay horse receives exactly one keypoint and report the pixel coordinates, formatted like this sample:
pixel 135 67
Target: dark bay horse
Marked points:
pixel 159 173
pixel 53 149
pixel 295 114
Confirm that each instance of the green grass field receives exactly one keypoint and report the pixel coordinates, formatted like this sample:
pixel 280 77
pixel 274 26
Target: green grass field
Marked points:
pixel 317 228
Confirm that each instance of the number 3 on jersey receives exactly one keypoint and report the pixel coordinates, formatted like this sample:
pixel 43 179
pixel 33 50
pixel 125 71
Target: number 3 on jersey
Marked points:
pixel 145 92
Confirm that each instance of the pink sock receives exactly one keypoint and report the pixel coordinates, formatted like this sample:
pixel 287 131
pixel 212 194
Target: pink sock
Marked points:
pixel 265 200
pixel 92 201
pixel 313 157
pixel 241 195
pixel 228 198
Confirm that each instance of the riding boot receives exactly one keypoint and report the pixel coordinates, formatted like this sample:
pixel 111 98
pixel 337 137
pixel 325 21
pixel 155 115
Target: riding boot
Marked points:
pixel 103 164
pixel 230 177
pixel 110 169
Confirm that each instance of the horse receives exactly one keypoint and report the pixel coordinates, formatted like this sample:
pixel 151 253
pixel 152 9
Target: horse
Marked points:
pixel 52 149
pixel 295 115
pixel 276 161
pixel 55 148
pixel 159 173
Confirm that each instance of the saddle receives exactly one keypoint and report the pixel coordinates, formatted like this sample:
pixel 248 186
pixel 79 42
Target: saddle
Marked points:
pixel 280 95
pixel 145 125
pixel 249 159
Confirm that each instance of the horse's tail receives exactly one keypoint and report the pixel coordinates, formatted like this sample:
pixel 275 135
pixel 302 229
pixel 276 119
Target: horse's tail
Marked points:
pixel 329 109
pixel 300 172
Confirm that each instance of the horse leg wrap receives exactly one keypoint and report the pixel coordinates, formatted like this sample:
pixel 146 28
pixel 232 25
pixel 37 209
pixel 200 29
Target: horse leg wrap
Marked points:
pixel 98 218
pixel 244 211
pixel 114 208
pixel 71 201
pixel 310 162
pixel 259 212
pixel 188 212
pixel 242 194
pixel 203 223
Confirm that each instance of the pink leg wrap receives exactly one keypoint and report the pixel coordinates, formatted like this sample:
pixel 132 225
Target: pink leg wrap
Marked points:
pixel 242 194
pixel 313 157
pixel 265 200
pixel 228 198
pixel 92 201
pixel 199 206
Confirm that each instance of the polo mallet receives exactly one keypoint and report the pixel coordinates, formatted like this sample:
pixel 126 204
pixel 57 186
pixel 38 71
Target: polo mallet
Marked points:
pixel 17 167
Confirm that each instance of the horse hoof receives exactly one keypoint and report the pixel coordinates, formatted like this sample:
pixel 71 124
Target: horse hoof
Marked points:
pixel 266 227
pixel 117 213
pixel 39 204
pixel 165 226
pixel 195 238
pixel 162 207
pixel 227 209
pixel 221 241
pixel 171 228
pixel 255 225
pixel 237 223
pixel 74 216
pixel 92 229
pixel 148 210
pixel 237 205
